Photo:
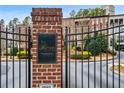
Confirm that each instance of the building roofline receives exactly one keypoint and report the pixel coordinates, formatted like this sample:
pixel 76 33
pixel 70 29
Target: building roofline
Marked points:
pixel 95 16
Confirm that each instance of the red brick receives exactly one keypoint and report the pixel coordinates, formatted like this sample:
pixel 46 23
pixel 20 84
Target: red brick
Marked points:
pixel 56 81
pixel 54 66
pixel 59 85
pixel 42 70
pixel 37 81
pixel 46 81
pixel 51 70
pixel 35 26
pixel 34 46
pixel 58 69
pixel 52 30
pixel 34 61
pixel 34 50
pixel 48 21
pixel 47 74
pixel 51 77
pixel 41 30
pixel 47 27
pixel 34 70
pixel 59 77
pixel 51 23
pixel 57 27
pixel 34 37
pixel 57 74
pixel 36 66
pixel 42 77
pixel 34 78
pixel 46 66
pixel 34 86
pixel 59 23
pixel 35 74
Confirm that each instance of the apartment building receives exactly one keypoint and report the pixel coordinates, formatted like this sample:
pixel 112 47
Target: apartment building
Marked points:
pixel 116 20
pixel 3 41
pixel 23 30
pixel 85 25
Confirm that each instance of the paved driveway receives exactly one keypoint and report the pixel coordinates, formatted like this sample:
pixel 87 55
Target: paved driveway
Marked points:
pixel 23 74
pixel 72 74
pixel 102 78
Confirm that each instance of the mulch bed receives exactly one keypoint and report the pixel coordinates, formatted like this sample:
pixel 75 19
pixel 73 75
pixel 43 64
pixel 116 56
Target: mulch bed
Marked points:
pixel 116 68
pixel 99 58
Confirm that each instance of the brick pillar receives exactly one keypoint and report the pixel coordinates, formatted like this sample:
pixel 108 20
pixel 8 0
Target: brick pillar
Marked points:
pixel 46 20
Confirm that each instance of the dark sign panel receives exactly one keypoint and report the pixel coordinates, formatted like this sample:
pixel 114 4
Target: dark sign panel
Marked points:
pixel 47 48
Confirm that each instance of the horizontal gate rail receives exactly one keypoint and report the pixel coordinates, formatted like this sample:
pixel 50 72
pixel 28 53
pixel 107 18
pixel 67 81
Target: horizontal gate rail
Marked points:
pixel 99 70
pixel 13 40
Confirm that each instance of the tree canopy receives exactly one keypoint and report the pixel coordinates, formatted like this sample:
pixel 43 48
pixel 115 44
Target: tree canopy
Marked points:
pixel 2 22
pixel 27 21
pixel 87 12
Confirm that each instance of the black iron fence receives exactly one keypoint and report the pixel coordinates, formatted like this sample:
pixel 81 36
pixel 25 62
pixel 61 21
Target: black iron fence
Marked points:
pixel 15 57
pixel 93 56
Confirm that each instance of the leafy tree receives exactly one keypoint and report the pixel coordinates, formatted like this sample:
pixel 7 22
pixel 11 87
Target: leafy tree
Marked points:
pixel 15 21
pixel 88 12
pixel 85 12
pixel 11 24
pixel 72 13
pixel 27 21
pixel 80 13
pixel 2 22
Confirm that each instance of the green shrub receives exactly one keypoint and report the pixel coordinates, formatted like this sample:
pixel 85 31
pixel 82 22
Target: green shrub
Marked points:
pixel 81 55
pixel 76 56
pixel 22 54
pixel 78 48
pixel 96 44
pixel 13 51
pixel 86 54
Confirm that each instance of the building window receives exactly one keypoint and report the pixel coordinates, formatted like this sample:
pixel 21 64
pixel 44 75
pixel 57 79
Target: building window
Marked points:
pixel 111 41
pixel 116 21
pixel 121 39
pixel 122 29
pixel 111 22
pixel 120 21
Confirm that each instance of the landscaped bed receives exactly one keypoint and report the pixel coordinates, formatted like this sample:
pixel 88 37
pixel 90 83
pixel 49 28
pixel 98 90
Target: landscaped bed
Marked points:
pixel 89 57
pixel 94 49
pixel 116 69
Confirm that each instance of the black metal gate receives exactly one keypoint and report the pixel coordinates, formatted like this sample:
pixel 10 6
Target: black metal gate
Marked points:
pixel 15 57
pixel 94 58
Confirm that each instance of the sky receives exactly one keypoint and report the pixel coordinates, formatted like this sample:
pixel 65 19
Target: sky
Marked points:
pixel 8 12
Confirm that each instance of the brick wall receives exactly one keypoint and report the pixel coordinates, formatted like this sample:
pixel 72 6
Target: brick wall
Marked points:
pixel 46 20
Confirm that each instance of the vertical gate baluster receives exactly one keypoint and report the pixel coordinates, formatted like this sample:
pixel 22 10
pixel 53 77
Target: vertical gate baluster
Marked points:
pixel 69 56
pixel 0 54
pixel 107 24
pixel 101 55
pixel 29 58
pixel 119 55
pixel 76 55
pixel 113 41
pixel 82 64
pixel 62 58
pixel 66 58
pixel 13 54
pixel 26 41
pixel 88 61
pixel 19 57
pixel 6 57
pixel 94 28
